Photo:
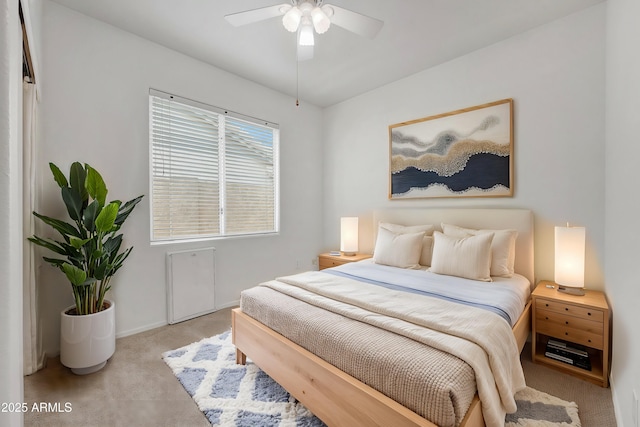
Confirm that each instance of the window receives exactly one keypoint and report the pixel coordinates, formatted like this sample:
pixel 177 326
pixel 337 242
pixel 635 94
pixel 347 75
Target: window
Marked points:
pixel 214 173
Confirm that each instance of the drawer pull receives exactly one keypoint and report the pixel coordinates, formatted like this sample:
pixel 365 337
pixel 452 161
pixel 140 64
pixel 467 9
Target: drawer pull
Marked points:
pixel 546 305
pixel 566 308
pixel 589 340
pixel 588 314
pixel 566 323
pixel 546 318
pixel 566 333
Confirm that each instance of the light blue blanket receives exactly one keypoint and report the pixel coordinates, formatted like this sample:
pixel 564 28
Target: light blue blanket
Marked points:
pixel 506 297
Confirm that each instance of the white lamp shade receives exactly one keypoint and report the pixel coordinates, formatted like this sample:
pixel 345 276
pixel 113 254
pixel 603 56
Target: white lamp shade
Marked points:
pixel 321 21
pixel 349 235
pixel 569 256
pixel 291 19
pixel 306 33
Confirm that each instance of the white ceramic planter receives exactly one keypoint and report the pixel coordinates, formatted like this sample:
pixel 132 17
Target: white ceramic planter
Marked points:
pixel 87 342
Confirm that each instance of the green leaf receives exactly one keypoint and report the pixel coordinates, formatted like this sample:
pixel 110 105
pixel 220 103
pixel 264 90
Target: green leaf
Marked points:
pixel 107 217
pixel 78 243
pixel 112 245
pixel 62 227
pixel 52 245
pixel 73 202
pixel 102 270
pixel 126 209
pixel 58 176
pixel 119 260
pixel 96 187
pixel 89 247
pixel 97 254
pixel 77 178
pixel 75 275
pixel 89 216
pixel 56 262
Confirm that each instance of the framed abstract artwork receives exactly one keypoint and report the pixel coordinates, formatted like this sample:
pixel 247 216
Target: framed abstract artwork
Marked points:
pixel 463 153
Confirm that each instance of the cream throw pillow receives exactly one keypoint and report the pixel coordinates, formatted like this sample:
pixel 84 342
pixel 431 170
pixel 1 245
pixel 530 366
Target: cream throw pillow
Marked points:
pixel 468 257
pixel 398 250
pixel 427 241
pixel 503 247
pixel 404 229
pixel 427 251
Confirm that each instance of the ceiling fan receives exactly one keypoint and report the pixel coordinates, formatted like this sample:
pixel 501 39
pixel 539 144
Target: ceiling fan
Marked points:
pixel 305 16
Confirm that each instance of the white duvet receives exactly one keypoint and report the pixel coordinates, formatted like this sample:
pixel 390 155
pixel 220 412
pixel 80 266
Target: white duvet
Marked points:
pixel 480 338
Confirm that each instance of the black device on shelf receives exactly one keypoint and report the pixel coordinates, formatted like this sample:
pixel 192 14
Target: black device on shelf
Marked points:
pixel 572 354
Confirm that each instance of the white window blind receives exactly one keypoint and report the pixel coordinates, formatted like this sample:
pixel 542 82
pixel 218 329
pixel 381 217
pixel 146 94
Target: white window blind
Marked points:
pixel 213 173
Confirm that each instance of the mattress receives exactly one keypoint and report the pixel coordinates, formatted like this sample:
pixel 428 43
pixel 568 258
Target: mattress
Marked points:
pixel 435 384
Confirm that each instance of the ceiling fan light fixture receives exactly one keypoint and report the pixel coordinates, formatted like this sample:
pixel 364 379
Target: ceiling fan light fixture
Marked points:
pixel 306 34
pixel 291 19
pixel 321 21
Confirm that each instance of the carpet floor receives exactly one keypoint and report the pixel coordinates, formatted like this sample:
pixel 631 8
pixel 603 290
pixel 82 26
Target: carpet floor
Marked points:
pixel 137 389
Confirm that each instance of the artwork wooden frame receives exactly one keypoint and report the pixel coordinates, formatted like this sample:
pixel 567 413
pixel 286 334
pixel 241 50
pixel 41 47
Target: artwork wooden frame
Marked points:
pixel 463 153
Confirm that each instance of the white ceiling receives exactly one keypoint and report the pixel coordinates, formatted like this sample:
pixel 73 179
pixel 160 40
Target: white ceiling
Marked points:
pixel 417 34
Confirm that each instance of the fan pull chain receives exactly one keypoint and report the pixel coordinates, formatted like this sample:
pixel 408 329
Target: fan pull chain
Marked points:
pixel 297 76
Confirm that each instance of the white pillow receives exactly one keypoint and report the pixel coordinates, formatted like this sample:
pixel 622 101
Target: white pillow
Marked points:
pixel 427 241
pixel 404 229
pixel 398 250
pixel 468 257
pixel 427 251
pixel 503 247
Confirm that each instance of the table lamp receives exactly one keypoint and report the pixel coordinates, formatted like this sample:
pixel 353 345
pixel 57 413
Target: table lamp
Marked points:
pixel 349 235
pixel 569 259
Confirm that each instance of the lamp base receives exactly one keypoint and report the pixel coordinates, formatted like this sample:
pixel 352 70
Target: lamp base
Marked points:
pixel 349 253
pixel 571 291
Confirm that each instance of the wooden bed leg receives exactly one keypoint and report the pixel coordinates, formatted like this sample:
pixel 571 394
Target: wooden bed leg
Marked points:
pixel 241 358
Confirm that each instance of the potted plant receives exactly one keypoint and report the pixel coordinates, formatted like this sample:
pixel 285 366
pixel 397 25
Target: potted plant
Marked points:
pixel 90 256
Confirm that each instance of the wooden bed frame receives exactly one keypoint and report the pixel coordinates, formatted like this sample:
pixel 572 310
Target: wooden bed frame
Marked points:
pixel 339 399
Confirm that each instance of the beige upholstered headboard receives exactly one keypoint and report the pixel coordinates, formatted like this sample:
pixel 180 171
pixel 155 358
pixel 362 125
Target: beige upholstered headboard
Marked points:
pixel 515 219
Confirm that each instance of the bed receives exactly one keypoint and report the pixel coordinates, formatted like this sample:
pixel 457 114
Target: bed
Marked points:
pixel 300 329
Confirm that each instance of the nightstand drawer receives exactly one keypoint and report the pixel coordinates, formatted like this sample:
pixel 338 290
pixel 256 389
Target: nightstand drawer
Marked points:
pixel 564 320
pixel 594 340
pixel 328 263
pixel 570 309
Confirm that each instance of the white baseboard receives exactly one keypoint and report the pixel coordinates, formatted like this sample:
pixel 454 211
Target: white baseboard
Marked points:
pixel 235 303
pixel 614 398
pixel 145 328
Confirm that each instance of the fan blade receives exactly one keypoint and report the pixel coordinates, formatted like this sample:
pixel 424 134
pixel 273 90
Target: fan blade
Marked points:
pixel 255 15
pixel 355 22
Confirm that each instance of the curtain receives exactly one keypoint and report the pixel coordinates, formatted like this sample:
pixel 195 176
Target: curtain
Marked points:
pixel 32 344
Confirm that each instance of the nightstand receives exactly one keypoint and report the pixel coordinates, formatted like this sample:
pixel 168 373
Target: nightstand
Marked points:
pixel 582 320
pixel 328 261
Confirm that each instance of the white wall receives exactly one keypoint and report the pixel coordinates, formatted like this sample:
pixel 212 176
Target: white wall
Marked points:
pixel 11 389
pixel 554 73
pixel 623 200
pixel 95 110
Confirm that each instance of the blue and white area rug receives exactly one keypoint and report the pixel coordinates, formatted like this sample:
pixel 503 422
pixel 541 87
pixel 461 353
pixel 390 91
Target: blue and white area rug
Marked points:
pixel 538 409
pixel 234 395
pixel 244 396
